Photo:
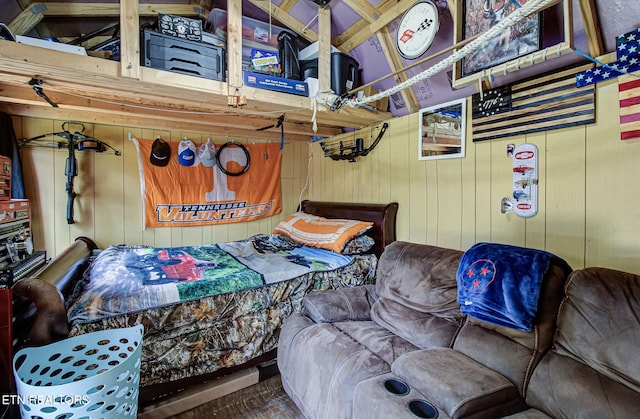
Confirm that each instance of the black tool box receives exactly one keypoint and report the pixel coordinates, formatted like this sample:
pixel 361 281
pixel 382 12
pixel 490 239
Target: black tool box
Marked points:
pixel 166 52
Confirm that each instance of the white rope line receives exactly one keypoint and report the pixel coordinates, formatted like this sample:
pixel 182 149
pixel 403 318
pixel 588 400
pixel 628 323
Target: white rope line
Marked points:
pixel 532 6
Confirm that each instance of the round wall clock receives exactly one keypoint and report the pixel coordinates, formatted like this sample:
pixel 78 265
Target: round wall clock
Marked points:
pixel 417 29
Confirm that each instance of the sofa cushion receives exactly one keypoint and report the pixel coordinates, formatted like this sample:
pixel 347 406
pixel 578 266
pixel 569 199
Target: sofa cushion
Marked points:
pixel 458 385
pixel 424 330
pixel 340 304
pixel 320 364
pixel 592 367
pixel 420 277
pixel 561 386
pixel 529 414
pixel 519 351
pixel 378 340
pixel 598 323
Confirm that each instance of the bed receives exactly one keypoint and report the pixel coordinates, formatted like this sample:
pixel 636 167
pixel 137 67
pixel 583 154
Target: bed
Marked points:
pixel 191 335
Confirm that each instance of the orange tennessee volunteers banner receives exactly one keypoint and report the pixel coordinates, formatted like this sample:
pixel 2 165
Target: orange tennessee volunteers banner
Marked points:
pixel 176 195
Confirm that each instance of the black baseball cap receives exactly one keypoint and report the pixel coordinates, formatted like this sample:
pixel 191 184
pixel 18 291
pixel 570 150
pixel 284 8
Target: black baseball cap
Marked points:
pixel 160 152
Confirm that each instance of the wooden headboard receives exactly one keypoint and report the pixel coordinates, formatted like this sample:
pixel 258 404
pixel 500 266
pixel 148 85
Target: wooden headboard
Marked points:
pixel 383 217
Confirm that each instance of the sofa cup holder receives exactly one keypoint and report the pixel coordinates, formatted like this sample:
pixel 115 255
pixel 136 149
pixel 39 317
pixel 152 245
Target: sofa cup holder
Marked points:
pixel 418 408
pixel 422 409
pixel 397 387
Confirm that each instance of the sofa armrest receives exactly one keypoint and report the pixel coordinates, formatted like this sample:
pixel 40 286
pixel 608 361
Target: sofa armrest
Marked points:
pixel 458 385
pixel 50 323
pixel 341 304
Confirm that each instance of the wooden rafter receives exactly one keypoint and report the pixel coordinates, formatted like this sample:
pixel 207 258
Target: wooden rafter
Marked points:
pixel 452 8
pixel 364 9
pixel 129 39
pixel 592 27
pixel 289 21
pixel 113 9
pixel 234 45
pixel 287 5
pixel 35 12
pixel 388 47
pixel 370 15
pixel 324 48
pixel 363 30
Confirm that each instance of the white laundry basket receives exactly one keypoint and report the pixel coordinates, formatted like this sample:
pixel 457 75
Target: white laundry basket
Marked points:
pixel 95 375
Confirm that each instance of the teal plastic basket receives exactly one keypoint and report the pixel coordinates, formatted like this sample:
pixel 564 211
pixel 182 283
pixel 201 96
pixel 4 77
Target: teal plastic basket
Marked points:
pixel 95 375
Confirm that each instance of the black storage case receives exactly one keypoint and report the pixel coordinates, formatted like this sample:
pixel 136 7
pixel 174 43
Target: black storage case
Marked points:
pixel 345 72
pixel 166 52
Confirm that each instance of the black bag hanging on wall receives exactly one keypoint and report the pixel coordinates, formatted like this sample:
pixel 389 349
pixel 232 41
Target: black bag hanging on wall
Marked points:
pixel 9 148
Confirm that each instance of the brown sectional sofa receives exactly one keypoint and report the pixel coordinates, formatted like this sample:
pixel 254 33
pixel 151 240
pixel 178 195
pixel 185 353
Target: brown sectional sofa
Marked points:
pixel 403 348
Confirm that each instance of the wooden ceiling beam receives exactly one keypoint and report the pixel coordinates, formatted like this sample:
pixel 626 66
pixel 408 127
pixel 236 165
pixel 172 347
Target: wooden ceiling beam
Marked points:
pixel 129 39
pixel 389 11
pixel 452 9
pixel 592 27
pixel 364 9
pixel 388 47
pixel 286 19
pixel 238 121
pixel 137 121
pixel 234 46
pixel 27 19
pixel 287 5
pixel 324 48
pixel 36 12
pixel 113 9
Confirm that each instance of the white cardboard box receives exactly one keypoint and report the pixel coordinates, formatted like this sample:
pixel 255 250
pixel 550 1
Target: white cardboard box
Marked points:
pixel 311 52
pixel 58 46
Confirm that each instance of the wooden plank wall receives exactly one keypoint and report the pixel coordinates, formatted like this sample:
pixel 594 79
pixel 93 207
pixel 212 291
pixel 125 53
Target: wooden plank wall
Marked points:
pixel 108 208
pixel 588 206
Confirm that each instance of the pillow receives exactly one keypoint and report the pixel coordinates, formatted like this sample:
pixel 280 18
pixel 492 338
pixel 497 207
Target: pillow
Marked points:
pixel 359 244
pixel 325 233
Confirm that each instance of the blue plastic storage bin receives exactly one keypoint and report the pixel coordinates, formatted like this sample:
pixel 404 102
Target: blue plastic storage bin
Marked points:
pixel 95 375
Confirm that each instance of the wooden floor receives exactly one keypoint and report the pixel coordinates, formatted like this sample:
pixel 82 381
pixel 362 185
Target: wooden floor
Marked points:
pixel 265 400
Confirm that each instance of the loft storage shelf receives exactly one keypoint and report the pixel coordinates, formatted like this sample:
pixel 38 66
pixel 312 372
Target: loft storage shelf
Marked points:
pixel 89 77
pixel 127 93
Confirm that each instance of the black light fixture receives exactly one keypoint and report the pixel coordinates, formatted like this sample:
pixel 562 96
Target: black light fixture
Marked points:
pixel 321 2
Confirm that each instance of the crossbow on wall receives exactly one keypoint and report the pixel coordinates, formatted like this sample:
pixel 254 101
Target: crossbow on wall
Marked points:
pixel 72 142
pixel 349 152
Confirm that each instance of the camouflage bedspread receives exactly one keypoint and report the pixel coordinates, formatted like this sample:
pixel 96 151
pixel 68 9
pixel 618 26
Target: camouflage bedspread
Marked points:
pixel 205 333
pixel 126 279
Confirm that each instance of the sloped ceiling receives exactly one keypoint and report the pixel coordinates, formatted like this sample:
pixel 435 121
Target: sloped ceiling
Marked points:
pixel 596 24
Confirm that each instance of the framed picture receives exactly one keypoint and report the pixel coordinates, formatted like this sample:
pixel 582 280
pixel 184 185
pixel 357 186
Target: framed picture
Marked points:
pixel 442 131
pixel 521 39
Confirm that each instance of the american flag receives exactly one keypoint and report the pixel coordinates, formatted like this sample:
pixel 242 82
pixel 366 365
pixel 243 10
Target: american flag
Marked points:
pixel 629 94
pixel 627 61
pixel 547 102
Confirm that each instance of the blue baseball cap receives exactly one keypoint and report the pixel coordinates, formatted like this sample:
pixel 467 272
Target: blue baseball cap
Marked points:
pixel 186 153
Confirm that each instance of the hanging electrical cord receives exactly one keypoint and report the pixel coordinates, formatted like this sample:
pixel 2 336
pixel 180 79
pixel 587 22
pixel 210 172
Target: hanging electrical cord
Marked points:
pixel 306 183
pixel 532 6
